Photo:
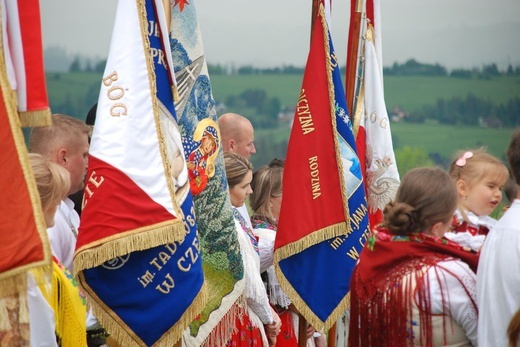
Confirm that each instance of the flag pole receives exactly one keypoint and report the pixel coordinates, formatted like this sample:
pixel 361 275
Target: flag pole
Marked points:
pixel 302 331
pixel 352 52
pixel 167 13
pixel 331 336
pixel 314 14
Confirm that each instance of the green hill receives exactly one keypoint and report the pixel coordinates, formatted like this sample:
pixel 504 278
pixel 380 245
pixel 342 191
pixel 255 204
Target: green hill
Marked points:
pixel 438 141
pixel 74 94
pixel 408 92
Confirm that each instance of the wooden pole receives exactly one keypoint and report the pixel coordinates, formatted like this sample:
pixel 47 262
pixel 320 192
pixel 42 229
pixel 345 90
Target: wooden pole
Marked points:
pixel 314 14
pixel 331 336
pixel 356 9
pixel 302 331
pixel 168 14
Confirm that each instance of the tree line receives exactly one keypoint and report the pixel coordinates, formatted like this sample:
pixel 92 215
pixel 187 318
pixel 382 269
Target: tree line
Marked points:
pixel 410 68
pixel 471 110
pixel 415 68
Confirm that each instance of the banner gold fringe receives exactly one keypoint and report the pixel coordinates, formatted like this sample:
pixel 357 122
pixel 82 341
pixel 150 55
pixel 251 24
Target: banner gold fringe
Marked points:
pixel 18 283
pixel 312 239
pixel 124 335
pixel 303 308
pixel 13 285
pixel 226 327
pixel 39 118
pixel 286 251
pixel 95 254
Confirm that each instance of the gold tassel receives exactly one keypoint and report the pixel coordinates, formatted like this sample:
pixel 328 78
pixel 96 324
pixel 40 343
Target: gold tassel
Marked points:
pixel 226 327
pixel 123 335
pixel 93 255
pixel 13 285
pixel 17 283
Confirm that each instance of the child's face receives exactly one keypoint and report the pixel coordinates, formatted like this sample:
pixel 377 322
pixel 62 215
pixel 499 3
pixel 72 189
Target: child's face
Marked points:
pixel 482 197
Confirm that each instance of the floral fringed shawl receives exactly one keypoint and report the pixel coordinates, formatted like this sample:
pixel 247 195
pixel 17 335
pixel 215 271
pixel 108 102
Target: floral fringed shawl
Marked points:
pixel 392 272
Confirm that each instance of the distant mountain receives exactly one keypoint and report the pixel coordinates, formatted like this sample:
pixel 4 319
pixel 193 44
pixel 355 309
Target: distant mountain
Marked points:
pixel 57 59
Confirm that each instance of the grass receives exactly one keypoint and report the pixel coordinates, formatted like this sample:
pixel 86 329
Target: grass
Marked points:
pixel 75 85
pixel 446 139
pixel 412 92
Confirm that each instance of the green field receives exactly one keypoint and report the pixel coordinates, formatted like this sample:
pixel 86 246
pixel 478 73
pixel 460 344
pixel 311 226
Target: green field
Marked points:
pixel 410 93
pixel 407 92
pixel 74 85
pixel 432 138
pixel 445 140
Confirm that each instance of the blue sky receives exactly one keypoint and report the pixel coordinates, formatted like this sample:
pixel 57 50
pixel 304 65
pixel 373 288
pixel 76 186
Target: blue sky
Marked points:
pixel 454 33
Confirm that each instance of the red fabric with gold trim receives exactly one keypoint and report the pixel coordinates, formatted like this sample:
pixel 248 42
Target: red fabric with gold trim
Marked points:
pixel 21 242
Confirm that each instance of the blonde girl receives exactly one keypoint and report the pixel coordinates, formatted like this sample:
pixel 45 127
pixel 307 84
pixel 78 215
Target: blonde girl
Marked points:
pixel 67 319
pixel 479 178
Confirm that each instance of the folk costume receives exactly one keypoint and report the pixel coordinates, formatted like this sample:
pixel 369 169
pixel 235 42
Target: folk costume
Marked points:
pixel 470 231
pixel 69 306
pixel 498 280
pixel 62 236
pixel 413 290
pixel 52 314
pixel 250 327
pixel 266 233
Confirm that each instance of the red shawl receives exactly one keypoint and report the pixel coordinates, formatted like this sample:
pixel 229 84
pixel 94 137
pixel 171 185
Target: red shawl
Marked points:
pixel 381 301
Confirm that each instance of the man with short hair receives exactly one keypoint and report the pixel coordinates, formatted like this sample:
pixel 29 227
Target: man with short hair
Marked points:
pixel 498 277
pixel 237 134
pixel 66 143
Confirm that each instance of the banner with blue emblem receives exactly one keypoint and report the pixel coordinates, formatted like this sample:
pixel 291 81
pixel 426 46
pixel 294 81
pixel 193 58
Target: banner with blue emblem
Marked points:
pixel 138 253
pixel 324 219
